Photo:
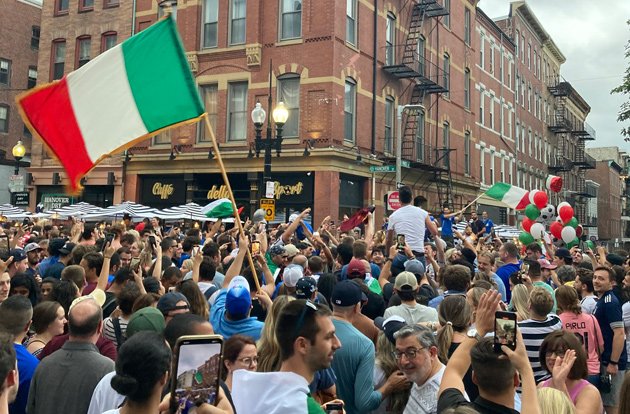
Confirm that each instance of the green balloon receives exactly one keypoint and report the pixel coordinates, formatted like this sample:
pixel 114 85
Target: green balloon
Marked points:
pixel 590 244
pixel 574 242
pixel 526 238
pixel 573 223
pixel 532 212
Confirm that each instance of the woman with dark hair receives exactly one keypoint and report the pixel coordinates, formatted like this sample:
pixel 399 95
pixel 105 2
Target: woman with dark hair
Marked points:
pixel 48 284
pixel 145 301
pixel 49 320
pixel 142 370
pixel 562 355
pixel 198 303
pixel 25 285
pixel 115 328
pixel 239 352
pixel 64 293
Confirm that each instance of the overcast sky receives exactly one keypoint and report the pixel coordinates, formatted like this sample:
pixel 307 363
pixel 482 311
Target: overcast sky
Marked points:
pixel 592 36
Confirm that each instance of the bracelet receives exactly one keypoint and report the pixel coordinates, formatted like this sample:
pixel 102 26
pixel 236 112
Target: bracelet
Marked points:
pixel 107 257
pixel 613 362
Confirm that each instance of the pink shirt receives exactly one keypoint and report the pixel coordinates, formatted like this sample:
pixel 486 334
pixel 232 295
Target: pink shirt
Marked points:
pixel 587 330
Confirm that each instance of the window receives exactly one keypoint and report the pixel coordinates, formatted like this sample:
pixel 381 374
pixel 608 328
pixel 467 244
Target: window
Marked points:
pixel 467 88
pixel 523 92
pixel 447 18
pixel 467 25
pixel 86 5
pixel 482 165
pixel 390 39
pixel 517 133
pixel 32 77
pixel 59 59
pixel 291 19
pixel 350 96
pixel 61 6
pixel 4 118
pixel 5 71
pixel 491 167
pixel 289 93
pixel 35 31
pixel 491 112
pixel 446 143
pixel 482 52
pixel 237 111
pixel 238 22
pixel 529 139
pixel 529 98
pixel 509 118
pixel 210 23
pixel 509 77
pixel 522 48
pixel 351 22
pixel 516 37
pixel 109 41
pixel 502 171
pixel 165 6
pixel 446 73
pixel 209 96
pixel 481 107
pixel 389 122
pixel 421 55
pixel 420 136
pixel 467 153
pixel 84 45
pixel 491 59
pixel 163 138
pixel 529 56
pixel 516 87
pixel 110 3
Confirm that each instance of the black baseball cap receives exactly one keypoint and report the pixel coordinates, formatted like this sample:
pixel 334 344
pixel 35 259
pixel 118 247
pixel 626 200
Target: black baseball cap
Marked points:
pixel 347 293
pixel 305 287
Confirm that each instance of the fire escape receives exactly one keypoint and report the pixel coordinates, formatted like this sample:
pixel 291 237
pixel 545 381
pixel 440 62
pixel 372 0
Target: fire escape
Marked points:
pixel 427 78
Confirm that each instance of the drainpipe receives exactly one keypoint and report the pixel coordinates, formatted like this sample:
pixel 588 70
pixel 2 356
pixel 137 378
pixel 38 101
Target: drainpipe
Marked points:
pixel 374 69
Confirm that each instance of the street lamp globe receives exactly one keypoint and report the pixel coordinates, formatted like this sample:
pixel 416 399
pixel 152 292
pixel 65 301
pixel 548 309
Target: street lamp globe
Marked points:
pixel 258 115
pixel 280 113
pixel 19 150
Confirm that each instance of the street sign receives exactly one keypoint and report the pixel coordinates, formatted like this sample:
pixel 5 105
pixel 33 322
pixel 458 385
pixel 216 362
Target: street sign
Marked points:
pixel 20 199
pixel 269 205
pixel 270 189
pixel 393 200
pixel 382 168
pixel 405 164
pixel 16 183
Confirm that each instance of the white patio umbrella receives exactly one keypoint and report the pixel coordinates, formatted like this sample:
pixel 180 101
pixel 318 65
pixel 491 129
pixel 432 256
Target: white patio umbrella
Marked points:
pixel 76 210
pixel 135 210
pixel 190 211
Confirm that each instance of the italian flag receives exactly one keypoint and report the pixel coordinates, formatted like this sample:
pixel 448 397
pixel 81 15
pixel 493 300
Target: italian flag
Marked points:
pixel 126 94
pixel 514 197
pixel 221 208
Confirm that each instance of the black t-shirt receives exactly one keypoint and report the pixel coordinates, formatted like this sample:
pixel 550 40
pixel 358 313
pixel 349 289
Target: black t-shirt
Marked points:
pixel 110 304
pixel 452 397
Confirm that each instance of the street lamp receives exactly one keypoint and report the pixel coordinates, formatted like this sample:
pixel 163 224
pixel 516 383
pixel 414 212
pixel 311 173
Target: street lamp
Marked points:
pixel 280 114
pixel 19 150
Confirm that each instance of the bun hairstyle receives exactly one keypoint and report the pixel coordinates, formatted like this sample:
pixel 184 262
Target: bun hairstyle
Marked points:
pixel 142 361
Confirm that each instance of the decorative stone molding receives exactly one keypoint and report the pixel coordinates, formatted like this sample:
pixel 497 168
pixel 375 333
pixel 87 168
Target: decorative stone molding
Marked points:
pixel 254 55
pixel 193 62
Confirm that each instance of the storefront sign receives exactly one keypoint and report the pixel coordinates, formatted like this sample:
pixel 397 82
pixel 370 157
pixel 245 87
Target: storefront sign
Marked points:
pixel 393 200
pixel 288 189
pixel 163 191
pixel 20 199
pixel 217 192
pixel 52 201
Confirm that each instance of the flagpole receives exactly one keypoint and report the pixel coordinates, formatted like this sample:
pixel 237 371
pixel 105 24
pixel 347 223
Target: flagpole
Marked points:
pixel 237 220
pixel 473 202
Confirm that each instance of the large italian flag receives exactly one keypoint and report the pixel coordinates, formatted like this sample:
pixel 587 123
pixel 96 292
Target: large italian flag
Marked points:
pixel 123 96
pixel 514 197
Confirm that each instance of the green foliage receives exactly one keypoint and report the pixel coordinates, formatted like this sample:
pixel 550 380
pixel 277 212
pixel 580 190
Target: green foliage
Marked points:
pixel 624 89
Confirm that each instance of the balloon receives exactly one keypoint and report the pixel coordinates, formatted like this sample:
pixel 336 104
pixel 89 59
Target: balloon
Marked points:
pixel 525 238
pixel 590 244
pixel 568 234
pixel 537 230
pixel 566 214
pixel 574 242
pixel 561 205
pixel 556 229
pixel 527 224
pixel 579 230
pixel 541 199
pixel 532 212
pixel 548 213
pixel 532 194
pixel 573 223
pixel 553 183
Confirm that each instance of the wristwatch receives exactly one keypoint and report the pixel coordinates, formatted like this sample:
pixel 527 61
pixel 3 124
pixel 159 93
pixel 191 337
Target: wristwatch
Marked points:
pixel 472 333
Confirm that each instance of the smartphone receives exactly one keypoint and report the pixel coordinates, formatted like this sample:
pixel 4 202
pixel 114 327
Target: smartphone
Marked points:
pixel 109 237
pixel 152 240
pixel 492 234
pixel 4 246
pixel 197 368
pixel 255 246
pixel 504 330
pixel 135 264
pixel 334 408
pixel 195 250
pixel 525 268
pixel 400 239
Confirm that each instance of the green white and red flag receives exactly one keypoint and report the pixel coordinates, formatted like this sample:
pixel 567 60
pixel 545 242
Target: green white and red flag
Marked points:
pixel 130 92
pixel 514 197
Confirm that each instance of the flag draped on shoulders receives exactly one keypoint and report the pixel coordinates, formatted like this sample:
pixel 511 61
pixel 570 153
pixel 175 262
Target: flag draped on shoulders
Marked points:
pixel 514 197
pixel 126 94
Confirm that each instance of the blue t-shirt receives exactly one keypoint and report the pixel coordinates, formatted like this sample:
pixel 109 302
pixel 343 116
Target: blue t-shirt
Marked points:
pixel 504 273
pixel 488 226
pixel 249 326
pixel 609 315
pixel 27 364
pixel 447 225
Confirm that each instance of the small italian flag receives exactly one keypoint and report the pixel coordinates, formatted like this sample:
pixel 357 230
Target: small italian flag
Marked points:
pixel 221 208
pixel 126 94
pixel 514 197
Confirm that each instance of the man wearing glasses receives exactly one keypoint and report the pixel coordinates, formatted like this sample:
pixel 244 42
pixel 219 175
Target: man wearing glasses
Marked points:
pixel 417 357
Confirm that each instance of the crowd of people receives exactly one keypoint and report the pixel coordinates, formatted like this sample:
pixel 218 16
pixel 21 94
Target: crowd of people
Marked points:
pixel 319 321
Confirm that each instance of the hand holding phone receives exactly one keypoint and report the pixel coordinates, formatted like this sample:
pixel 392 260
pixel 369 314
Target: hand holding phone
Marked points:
pixel 255 246
pixel 504 330
pixel 400 239
pixel 334 407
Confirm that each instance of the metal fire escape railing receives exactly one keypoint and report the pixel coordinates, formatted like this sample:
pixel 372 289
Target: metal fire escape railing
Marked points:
pixel 560 122
pixel 582 160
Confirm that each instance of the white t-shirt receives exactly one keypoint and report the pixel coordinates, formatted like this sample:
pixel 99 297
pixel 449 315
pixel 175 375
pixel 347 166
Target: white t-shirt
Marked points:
pixel 104 397
pixel 410 221
pixel 423 399
pixel 588 304
pixel 412 314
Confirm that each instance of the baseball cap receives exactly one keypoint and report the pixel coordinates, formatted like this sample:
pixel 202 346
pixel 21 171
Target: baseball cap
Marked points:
pixel 356 268
pixel 238 300
pixel 97 296
pixel 291 250
pixel 17 254
pixel 614 259
pixel 259 216
pixel 146 319
pixel 414 266
pixel 66 249
pixel 31 247
pixel 406 280
pixel 56 244
pixel 563 253
pixel 292 273
pixel 390 326
pixel 546 264
pixel 347 293
pixel 168 302
pixel 276 250
pixel 305 287
pixel 293 217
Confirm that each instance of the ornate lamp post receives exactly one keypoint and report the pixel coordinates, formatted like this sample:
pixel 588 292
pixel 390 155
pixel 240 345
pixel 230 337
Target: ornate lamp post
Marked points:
pixel 19 150
pixel 280 115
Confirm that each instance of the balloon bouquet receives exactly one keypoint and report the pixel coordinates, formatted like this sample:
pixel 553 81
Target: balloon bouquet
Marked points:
pixel 563 225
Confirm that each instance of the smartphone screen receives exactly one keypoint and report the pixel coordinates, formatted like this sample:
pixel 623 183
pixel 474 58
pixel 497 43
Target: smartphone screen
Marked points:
pixel 504 330
pixel 334 408
pixel 400 238
pixel 152 240
pixel 4 246
pixel 135 264
pixel 198 370
pixel 255 247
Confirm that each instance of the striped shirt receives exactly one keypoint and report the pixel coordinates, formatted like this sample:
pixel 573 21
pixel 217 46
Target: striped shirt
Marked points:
pixel 110 333
pixel 534 333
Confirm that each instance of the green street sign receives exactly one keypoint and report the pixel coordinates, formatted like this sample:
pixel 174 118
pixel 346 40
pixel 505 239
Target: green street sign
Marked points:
pixel 405 164
pixel 383 168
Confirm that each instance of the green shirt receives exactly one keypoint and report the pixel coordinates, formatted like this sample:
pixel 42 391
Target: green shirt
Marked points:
pixel 313 406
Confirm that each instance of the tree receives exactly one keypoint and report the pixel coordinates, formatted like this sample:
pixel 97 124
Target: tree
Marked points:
pixel 624 88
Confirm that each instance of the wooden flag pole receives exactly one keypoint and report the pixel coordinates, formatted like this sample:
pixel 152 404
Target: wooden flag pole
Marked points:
pixel 237 220
pixel 472 202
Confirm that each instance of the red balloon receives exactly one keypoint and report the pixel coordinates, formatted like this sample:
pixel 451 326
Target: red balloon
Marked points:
pixel 579 230
pixel 566 214
pixel 527 224
pixel 541 199
pixel 556 229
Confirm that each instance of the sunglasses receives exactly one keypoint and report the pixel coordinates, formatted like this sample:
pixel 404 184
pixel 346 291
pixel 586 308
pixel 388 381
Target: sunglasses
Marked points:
pixel 300 322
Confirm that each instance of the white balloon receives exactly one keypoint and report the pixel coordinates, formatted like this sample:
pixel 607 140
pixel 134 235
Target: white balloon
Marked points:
pixel 531 196
pixel 537 230
pixel 568 234
pixel 560 206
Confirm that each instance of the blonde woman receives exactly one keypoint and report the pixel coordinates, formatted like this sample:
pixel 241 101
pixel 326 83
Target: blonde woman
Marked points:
pixel 553 401
pixel 519 302
pixel 268 347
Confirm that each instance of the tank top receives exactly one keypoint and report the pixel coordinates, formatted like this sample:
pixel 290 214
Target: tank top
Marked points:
pixel 573 392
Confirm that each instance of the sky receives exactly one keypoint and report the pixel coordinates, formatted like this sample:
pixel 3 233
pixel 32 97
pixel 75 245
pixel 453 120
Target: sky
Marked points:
pixel 592 36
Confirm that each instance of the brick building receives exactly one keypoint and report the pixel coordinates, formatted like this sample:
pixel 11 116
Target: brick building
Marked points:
pixel 20 34
pixel 72 33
